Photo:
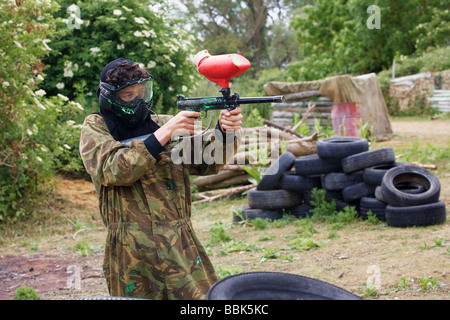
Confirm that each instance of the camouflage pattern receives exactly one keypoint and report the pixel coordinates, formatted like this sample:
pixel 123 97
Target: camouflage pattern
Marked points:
pixel 151 249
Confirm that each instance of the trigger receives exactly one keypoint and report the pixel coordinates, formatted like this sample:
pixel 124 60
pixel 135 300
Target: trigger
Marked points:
pixel 205 114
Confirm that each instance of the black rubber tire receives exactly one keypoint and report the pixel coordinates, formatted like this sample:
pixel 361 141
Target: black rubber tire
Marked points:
pixel 368 159
pixel 313 164
pixel 110 298
pixel 377 207
pixel 341 147
pixel 300 211
pixel 357 191
pixel 402 174
pixel 275 286
pixel 420 215
pixel 295 182
pixel 340 180
pixel 374 175
pixel 378 194
pixel 273 199
pixel 271 177
pixel 251 214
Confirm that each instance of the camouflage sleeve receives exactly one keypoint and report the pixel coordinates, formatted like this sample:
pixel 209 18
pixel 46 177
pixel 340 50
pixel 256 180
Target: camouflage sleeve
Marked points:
pixel 108 161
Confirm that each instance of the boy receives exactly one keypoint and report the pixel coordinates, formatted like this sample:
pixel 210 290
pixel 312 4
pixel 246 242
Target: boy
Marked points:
pixel 151 250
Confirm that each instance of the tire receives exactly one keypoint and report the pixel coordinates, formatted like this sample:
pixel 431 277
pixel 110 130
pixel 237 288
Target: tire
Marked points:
pixel 377 207
pixel 110 298
pixel 275 286
pixel 420 215
pixel 251 214
pixel 300 211
pixel 340 180
pixel 368 159
pixel 374 175
pixel 312 164
pixel 275 172
pixel 409 174
pixel 273 199
pixel 294 182
pixel 342 147
pixel 357 191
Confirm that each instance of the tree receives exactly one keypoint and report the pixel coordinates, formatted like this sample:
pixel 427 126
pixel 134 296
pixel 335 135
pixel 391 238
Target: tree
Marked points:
pixel 238 26
pixel 91 34
pixel 32 138
pixel 334 38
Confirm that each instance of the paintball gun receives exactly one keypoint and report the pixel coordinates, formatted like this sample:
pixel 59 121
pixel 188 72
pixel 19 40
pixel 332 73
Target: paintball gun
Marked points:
pixel 219 69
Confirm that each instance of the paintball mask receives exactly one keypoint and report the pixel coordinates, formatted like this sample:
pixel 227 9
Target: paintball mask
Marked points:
pixel 131 101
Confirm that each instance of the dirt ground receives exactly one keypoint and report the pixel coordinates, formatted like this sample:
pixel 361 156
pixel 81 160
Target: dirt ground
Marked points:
pixel 389 255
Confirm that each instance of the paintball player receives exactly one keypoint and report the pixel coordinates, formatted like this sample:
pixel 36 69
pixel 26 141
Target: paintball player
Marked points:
pixel 144 197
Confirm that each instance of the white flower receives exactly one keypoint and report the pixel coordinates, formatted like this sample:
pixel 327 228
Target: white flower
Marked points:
pixel 29 132
pixel 184 88
pixel 78 105
pixel 117 12
pixel 67 146
pixel 5 83
pixel 120 46
pixel 63 97
pixel 17 44
pixel 138 34
pixel 39 104
pixel 87 64
pixel 167 57
pixel 151 64
pixel 40 93
pixel 172 64
pixel 145 43
pixel 94 50
pixel 140 20
pixel 39 159
pixel 70 122
pixel 68 73
pixel 60 85
pixel 39 77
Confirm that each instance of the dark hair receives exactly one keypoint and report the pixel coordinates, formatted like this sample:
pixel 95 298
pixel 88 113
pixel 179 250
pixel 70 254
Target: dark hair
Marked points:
pixel 124 72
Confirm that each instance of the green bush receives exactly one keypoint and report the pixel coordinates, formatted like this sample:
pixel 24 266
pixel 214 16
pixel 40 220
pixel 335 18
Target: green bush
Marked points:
pixel 37 135
pixel 109 29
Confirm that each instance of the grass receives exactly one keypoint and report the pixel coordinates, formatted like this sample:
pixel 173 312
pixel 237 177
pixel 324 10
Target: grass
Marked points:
pixel 336 247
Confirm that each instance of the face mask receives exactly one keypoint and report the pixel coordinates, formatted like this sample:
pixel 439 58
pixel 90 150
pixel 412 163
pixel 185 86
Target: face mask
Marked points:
pixel 130 101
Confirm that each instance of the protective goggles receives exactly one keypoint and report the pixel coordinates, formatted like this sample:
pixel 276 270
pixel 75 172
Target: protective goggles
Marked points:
pixel 128 94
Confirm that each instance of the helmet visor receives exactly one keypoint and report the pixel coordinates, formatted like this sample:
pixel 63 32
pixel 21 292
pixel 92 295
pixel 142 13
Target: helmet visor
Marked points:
pixel 129 94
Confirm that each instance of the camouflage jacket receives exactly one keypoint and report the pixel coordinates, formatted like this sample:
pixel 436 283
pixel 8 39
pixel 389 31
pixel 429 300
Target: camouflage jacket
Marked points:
pixel 145 202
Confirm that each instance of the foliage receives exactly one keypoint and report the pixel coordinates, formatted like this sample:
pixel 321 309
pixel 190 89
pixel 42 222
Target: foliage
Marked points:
pixel 26 293
pixel 334 38
pixel 102 31
pixel 28 128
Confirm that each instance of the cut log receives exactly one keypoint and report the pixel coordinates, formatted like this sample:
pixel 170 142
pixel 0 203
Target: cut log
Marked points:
pixel 226 193
pixel 295 133
pixel 216 178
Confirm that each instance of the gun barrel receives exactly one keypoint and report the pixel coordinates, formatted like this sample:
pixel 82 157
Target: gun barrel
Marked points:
pixel 211 103
pixel 260 100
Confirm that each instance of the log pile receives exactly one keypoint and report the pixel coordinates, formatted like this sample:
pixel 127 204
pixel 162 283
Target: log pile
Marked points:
pixel 298 103
pixel 260 146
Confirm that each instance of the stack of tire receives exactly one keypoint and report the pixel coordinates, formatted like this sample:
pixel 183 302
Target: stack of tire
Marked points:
pixel 397 193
